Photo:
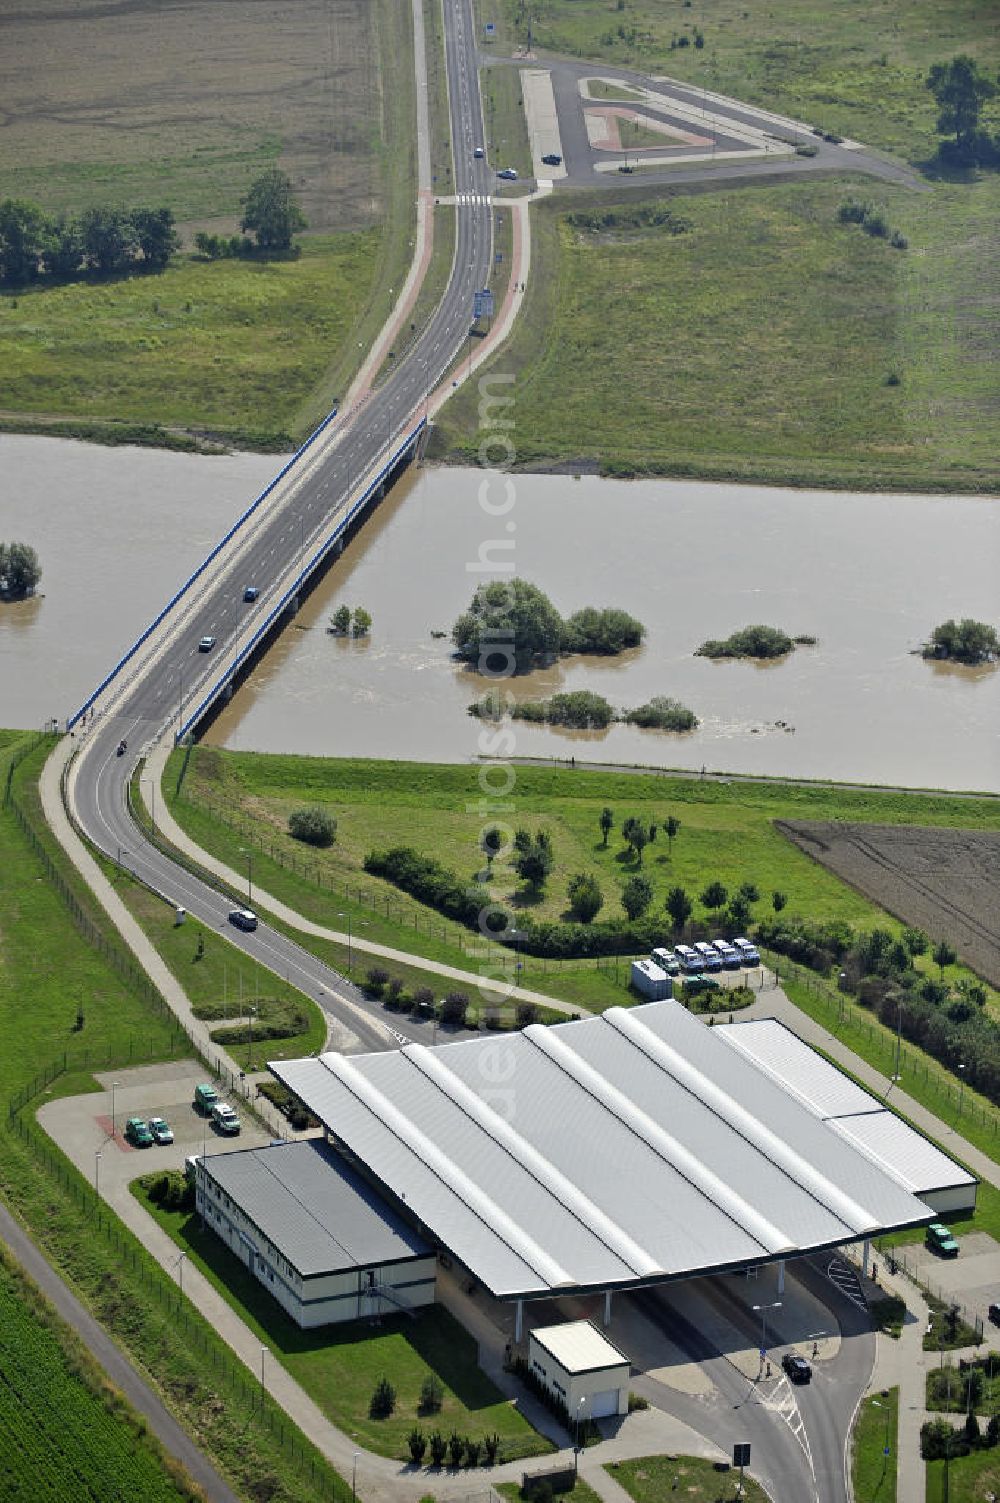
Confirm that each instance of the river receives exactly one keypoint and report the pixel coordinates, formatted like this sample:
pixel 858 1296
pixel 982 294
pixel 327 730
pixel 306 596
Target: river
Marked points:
pixel 869 576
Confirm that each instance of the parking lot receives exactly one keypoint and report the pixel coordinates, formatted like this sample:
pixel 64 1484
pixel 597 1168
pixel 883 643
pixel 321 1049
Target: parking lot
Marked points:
pixel 971 1280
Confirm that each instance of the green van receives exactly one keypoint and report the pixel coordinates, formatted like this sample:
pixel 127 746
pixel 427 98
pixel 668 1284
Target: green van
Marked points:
pixel 205 1097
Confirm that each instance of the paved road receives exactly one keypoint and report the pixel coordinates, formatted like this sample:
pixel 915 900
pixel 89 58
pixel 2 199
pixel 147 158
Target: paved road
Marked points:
pixel 120 1371
pixel 279 540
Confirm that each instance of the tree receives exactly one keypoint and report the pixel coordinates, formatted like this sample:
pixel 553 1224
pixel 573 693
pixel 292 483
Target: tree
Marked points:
pixel 383 1399
pixel 454 1008
pixel 738 912
pixel 313 825
pixel 607 823
pixel 340 621
pixel 960 90
pixel 965 641
pixel 533 858
pixel 916 941
pixel 22 241
pixel 63 252
pixel 509 621
pixel 750 891
pixel 778 900
pixel 107 237
pixel 679 906
pixel 362 621
pixel 431 1394
pixel 439 1448
pixel 491 843
pixel 270 211
pixel 417 1443
pixel 637 894
pixel 155 236
pixel 20 570
pixel 943 955
pixel 638 838
pixel 671 825
pixel 585 897
pixel 456 1448
pixel 714 895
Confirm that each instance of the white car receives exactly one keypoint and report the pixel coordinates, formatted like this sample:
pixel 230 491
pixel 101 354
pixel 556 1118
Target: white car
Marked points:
pixel 479 152
pixel 206 644
pixel 509 173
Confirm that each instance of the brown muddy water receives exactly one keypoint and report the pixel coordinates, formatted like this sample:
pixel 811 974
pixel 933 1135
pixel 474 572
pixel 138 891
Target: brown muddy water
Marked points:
pixel 117 530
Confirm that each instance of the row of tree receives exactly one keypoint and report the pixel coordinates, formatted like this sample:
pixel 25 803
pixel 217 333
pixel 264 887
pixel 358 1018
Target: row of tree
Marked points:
pixel 344 622
pixel 511 624
pixel 961 88
pixel 109 240
pixel 20 570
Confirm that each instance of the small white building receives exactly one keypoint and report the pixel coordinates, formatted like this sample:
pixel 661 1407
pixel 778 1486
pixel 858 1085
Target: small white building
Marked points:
pixel 319 1238
pixel 651 981
pixel 581 1367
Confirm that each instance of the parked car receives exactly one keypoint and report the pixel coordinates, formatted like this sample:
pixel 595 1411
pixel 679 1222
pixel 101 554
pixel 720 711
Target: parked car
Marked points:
pixel 667 961
pixel 251 592
pixel 137 1133
pixel 206 644
pixel 162 1131
pixel 205 1098
pixel 796 1367
pixel 243 918
pixel 509 173
pixel 552 159
pixel 624 167
pixel 225 1119
pixel 939 1239
pixel 994 1314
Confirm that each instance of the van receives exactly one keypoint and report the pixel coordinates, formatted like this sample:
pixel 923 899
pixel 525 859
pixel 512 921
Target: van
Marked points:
pixel 710 956
pixel 747 952
pixel 730 958
pixel 205 1097
pixel 691 962
pixel 667 961
pixel 225 1119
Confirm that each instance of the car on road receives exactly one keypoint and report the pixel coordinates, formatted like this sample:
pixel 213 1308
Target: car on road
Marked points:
pixel 206 644
pixel 624 167
pixel 552 159
pixel 205 1097
pixel 479 153
pixel 243 918
pixel 137 1133
pixel 251 592
pixel 225 1119
pixel 994 1314
pixel 161 1130
pixel 796 1367
pixel 510 173
pixel 939 1239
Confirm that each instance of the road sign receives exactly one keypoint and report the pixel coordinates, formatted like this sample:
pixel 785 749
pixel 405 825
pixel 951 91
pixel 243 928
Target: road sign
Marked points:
pixel 741 1453
pixel 490 28
pixel 763 1353
pixel 498 257
pixel 482 304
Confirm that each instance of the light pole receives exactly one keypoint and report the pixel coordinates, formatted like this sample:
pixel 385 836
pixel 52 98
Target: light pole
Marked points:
pixel 180 1271
pixel 248 853
pixel 354 1477
pixel 97 1173
pixel 114 1087
pixel 885 1444
pixel 250 1016
pixel 961 1088
pixel 775 1305
pixel 576 1448
pixel 150 784
pixel 350 954
pixel 263 1353
pixel 899 1032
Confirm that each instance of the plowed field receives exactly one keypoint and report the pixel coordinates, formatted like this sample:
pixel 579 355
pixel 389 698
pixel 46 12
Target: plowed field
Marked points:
pixel 945 881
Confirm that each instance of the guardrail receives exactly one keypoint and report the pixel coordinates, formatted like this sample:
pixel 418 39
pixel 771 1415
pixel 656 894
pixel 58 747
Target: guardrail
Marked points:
pixel 240 521
pixel 278 610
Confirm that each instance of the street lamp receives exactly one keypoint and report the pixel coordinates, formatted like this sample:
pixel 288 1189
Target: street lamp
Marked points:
pixel 576 1449
pixel 180 1271
pixel 885 1444
pixel 350 953
pixel 114 1087
pixel 899 1031
pixel 248 853
pixel 961 1088
pixel 354 1477
pixel 97 1173
pixel 251 1010
pixel 263 1352
pixel 775 1305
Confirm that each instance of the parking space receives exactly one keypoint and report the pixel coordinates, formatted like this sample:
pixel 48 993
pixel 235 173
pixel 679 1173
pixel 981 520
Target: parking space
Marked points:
pixel 971 1280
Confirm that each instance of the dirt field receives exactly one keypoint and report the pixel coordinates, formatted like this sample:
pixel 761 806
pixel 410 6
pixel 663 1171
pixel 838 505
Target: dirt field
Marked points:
pixel 183 102
pixel 944 881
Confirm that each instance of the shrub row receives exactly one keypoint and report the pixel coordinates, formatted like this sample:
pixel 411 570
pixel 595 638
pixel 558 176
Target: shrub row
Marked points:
pixel 460 1450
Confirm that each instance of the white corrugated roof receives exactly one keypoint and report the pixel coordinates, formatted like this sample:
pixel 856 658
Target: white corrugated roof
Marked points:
pixel 613 1150
pixel 817 1083
pixel 903 1152
pixel 579 1347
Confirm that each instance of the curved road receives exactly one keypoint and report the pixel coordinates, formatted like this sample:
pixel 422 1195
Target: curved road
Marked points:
pixel 158 692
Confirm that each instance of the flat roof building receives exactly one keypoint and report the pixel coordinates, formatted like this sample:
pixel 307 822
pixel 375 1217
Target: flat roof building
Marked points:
pixel 610 1152
pixel 314 1233
pixel 585 1370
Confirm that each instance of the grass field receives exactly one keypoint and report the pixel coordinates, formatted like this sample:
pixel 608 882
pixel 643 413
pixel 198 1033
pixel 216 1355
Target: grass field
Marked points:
pixel 970 1479
pixel 503 114
pixel 873 1474
pixel 339 1366
pixel 231 347
pixel 780 373
pixel 650 1479
pixel 63 1432
pixel 854 67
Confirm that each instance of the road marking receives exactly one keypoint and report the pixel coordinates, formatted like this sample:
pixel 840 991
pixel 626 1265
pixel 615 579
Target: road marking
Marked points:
pixel 844 1278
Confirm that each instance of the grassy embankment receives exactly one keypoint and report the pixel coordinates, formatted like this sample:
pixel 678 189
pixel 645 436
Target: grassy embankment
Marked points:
pixel 247 353
pixel 674 344
pixel 64 1432
pixel 873 1474
pixel 340 1365
pixel 506 127
pixel 971 1478
pixel 649 1479
pixel 49 973
pixel 674 338
pixel 229 798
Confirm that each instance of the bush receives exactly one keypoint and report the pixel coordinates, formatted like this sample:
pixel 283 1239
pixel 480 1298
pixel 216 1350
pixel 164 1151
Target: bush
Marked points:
pixel 383 1399
pixel 418 1445
pixel 376 977
pixel 750 642
pixel 585 897
pixel 431 1394
pixel 438 1447
pixel 472 1452
pixel 636 1401
pixel 453 1009
pixel 939 1439
pixel 456 1448
pixel 314 826
pixel 662 714
pixel 580 710
pixel 527 1014
pixel 491 1445
pixel 423 1001
pixel 170 1189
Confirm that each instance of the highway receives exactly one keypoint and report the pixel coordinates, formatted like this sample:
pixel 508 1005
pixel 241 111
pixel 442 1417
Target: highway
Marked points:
pixel 161 691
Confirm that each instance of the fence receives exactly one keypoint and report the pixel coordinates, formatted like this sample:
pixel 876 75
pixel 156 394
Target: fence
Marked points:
pixel 902 1257
pixel 198 1338
pixel 953 1095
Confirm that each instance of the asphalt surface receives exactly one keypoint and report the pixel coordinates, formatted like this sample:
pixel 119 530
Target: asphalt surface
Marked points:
pixel 118 1369
pixel 156 695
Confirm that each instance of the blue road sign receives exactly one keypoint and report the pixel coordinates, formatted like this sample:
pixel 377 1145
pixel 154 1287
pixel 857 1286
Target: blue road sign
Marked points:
pixel 490 28
pixel 482 304
pixel 498 257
